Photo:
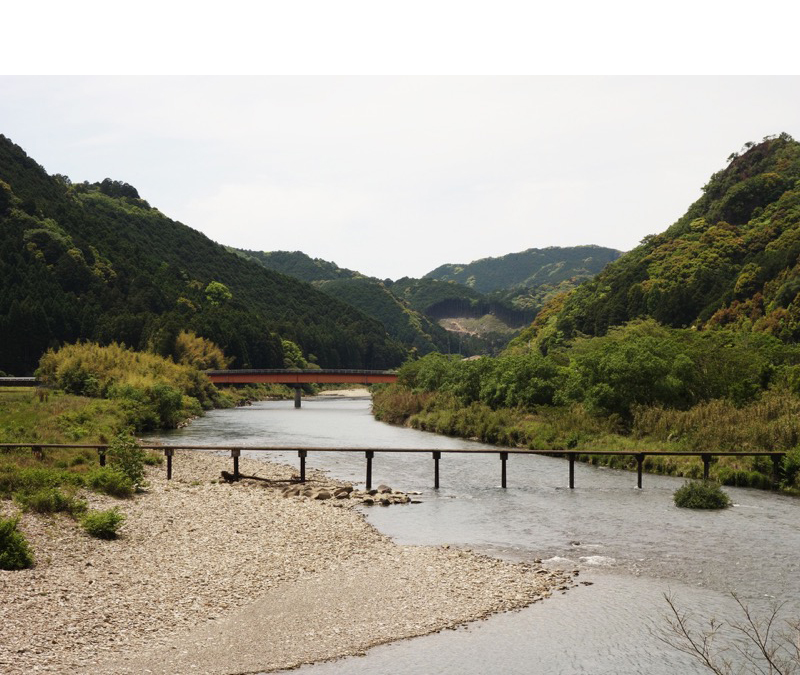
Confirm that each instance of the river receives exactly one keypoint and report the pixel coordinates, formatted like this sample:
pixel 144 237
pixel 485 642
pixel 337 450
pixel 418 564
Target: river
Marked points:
pixel 632 545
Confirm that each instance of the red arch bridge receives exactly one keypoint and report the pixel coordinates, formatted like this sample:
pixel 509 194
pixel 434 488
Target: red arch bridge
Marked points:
pixel 297 378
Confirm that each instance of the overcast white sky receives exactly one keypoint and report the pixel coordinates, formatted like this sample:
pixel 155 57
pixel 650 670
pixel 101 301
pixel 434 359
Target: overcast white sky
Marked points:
pixel 394 175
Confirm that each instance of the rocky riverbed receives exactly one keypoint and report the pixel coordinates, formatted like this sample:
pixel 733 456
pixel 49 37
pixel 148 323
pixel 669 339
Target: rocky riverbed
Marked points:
pixel 218 577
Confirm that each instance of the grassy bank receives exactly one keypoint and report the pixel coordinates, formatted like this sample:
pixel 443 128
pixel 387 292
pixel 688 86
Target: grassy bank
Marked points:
pixel 53 416
pixel 55 481
pixel 94 395
pixel 770 423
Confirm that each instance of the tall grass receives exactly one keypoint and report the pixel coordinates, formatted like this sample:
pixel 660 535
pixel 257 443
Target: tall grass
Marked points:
pixel 153 392
pixel 771 422
pixel 62 418
pixel 395 404
pixel 93 370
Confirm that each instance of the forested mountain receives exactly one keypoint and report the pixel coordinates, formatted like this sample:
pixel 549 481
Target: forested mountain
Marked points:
pixel 410 327
pixel 528 269
pixel 299 265
pixel 96 262
pixel 414 310
pixel 443 299
pixel 731 260
pixel 518 285
pixel 372 296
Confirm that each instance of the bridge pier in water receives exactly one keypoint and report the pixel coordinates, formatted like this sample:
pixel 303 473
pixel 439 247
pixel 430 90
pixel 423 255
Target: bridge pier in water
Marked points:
pixel 298 390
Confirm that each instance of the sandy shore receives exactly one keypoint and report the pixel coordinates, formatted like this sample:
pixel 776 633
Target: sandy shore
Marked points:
pixel 216 578
pixel 356 392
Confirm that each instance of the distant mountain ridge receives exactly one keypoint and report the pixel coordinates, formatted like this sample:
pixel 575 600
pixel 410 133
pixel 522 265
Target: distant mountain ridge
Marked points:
pixel 528 269
pixel 371 296
pixel 412 310
pixel 298 264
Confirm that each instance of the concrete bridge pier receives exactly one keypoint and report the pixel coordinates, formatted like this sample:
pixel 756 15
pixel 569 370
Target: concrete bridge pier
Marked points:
pixel 297 391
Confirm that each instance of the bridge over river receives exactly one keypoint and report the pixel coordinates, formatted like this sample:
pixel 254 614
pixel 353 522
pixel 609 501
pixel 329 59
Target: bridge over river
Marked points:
pixel 297 378
pixel 293 377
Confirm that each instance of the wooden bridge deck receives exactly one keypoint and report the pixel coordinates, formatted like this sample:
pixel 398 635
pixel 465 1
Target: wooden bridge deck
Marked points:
pixel 436 455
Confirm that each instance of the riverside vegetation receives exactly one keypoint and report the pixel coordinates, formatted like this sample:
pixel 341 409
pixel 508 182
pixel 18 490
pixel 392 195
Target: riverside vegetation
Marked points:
pixel 642 386
pixel 688 342
pixel 99 395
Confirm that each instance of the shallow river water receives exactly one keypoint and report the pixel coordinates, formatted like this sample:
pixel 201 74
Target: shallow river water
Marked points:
pixel 633 545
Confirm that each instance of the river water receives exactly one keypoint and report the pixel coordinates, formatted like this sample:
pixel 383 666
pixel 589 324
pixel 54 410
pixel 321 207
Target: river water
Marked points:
pixel 633 545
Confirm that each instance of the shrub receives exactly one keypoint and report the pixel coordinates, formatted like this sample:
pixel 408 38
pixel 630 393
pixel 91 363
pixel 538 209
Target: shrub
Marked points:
pixel 51 500
pixel 153 459
pixel 791 469
pixel 103 524
pixel 701 495
pixel 14 479
pixel 15 554
pixel 199 352
pixel 127 457
pixel 114 371
pixel 110 481
pixel 395 404
pixel 167 402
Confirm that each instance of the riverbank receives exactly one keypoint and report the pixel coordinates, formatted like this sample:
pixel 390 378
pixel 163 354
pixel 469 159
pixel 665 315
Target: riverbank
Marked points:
pixel 354 392
pixel 767 424
pixel 218 578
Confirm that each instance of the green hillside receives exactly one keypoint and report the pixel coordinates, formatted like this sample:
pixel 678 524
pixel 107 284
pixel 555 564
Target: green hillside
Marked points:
pixel 369 295
pixel 528 269
pixel 411 328
pixel 446 299
pixel 416 312
pixel 96 262
pixel 730 261
pixel 297 264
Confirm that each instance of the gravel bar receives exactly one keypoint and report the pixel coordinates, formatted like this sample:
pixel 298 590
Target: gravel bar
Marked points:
pixel 212 577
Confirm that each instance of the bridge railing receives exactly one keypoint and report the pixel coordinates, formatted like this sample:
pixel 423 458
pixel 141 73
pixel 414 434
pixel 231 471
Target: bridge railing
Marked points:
pixel 19 382
pixel 312 371
pixel 436 455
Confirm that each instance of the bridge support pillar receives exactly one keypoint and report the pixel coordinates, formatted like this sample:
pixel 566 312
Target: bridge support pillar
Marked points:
pixel 503 460
pixel 235 453
pixel 370 454
pixel 706 462
pixel 297 391
pixel 437 455
pixel 639 463
pixel 302 455
pixel 571 458
pixel 169 452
